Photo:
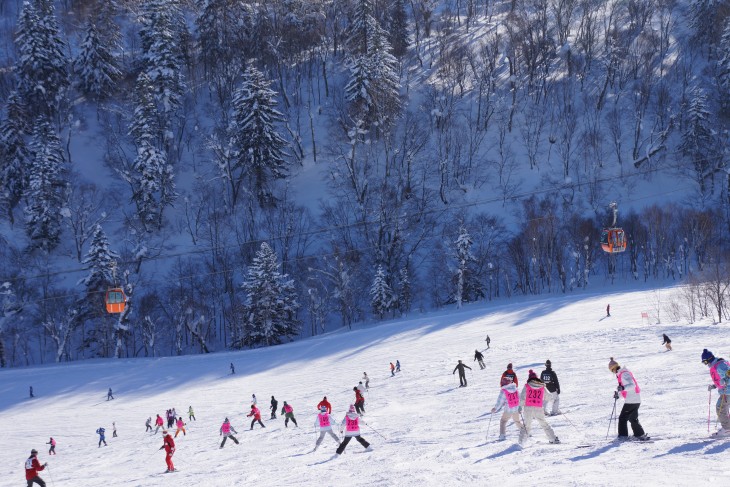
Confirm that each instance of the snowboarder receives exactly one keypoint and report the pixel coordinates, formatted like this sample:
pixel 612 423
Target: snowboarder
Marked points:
pixel 148 424
pixel 324 423
pixel 351 427
pixel 720 374
pixel 102 438
pixel 288 413
pixel 462 375
pixel 31 391
pixel 488 341
pixel 274 406
pixel 478 356
pixel 508 398
pixel 159 423
pixel 326 404
pixel 114 429
pixel 531 403
pixel 32 467
pixel 191 414
pixel 180 424
pixel 397 365
pixel 608 310
pixel 233 369
pixel 550 378
pixel 629 389
pixel 359 401
pixel 169 446
pixel 256 416
pixel 226 429
pixel 667 342
pixel 366 379
pixel 109 394
pixel 511 374
pixel 392 370
pixel 52 449
pixel 253 399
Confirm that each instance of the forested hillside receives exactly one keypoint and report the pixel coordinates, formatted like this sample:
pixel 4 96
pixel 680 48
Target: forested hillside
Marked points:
pixel 253 172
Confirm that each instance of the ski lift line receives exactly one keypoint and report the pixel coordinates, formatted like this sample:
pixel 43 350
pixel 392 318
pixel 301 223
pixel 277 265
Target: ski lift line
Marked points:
pixel 418 214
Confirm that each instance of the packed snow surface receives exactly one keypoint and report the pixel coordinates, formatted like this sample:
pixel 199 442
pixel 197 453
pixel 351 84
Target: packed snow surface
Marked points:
pixel 424 429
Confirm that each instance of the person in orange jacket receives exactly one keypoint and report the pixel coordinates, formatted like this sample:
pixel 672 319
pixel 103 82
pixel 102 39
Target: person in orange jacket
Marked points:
pixel 256 416
pixel 324 402
pixel 180 426
pixel 169 446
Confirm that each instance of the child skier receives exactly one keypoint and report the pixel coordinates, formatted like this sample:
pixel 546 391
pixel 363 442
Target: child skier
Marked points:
pixel 324 403
pixel 359 401
pixel 114 429
pixel 253 399
pixel 629 389
pixel 169 446
pixel 324 423
pixel 508 398
pixel 52 450
pixel 531 402
pixel 180 427
pixel 102 439
pixel 32 467
pixel 720 374
pixel 191 414
pixel 351 427
pixel 550 378
pixel 226 430
pixel 288 413
pixel 148 424
pixel 511 374
pixel 159 423
pixel 366 379
pixel 274 406
pixel 256 416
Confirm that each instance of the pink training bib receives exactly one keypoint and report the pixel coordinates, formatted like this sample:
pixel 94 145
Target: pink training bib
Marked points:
pixel 715 375
pixel 288 408
pixel 533 398
pixel 636 384
pixel 351 425
pixel 324 420
pixel 513 399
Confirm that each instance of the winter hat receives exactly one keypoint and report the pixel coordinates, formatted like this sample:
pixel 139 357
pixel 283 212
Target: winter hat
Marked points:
pixel 323 408
pixel 252 406
pixel 548 363
pixel 33 451
pixel 226 420
pixel 531 375
pixel 509 366
pixel 352 408
pixel 164 432
pixel 505 381
pixel 613 365
pixel 707 356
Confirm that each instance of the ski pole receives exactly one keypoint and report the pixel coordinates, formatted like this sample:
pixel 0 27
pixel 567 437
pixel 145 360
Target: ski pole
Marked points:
pixel 489 425
pixel 571 423
pixel 376 431
pixel 613 412
pixel 709 400
pixel 50 475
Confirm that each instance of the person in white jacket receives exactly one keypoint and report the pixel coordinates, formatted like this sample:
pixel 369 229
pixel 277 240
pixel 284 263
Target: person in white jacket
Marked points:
pixel 531 399
pixel 509 399
pixel 629 389
pixel 324 423
pixel 351 428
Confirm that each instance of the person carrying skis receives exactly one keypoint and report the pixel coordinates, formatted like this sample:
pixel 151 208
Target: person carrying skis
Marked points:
pixel 102 439
pixel 324 403
pixel 288 413
pixel 169 446
pixel 52 449
pixel 478 356
pixel 32 467
pixel 256 416
pixel 109 394
pixel 462 375
pixel 148 424
pixel 550 378
pixel 359 401
pixel 629 390
pixel 180 425
pixel 511 374
pixel 509 398
pixel 227 431
pixel 397 365
pixel 392 370
pixel 366 379
pixel 159 423
pixel 191 414
pixel 531 399
pixel 324 423
pixel 667 342
pixel 351 428
pixel 274 406
pixel 720 374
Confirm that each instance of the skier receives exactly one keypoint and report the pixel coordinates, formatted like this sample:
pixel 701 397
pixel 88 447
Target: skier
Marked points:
pixel 148 424
pixel 324 403
pixel 31 391
pixel 170 418
pixel 158 423
pixel 629 389
pixel 253 399
pixel 488 341
pixel 32 467
pixel 478 356
pixel 720 374
pixel 361 388
pixel 397 365
pixel 550 378
pixel 109 394
pixel 508 398
pixel 114 429
pixel 392 370
pixel 233 369
pixel 511 374
pixel 191 414
pixel 256 416
pixel 667 342
pixel 226 429
pixel 462 375
pixel 608 310
pixel 102 439
pixel 324 423
pixel 531 402
pixel 359 401
pixel 52 449
pixel 169 446
pixel 180 424
pixel 274 406
pixel 366 379
pixel 288 413
pixel 351 429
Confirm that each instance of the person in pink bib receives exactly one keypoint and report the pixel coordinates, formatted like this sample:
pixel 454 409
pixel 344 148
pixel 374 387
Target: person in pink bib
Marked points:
pixel 351 428
pixel 720 375
pixel 509 399
pixel 227 431
pixel 629 390
pixel 324 423
pixel 531 399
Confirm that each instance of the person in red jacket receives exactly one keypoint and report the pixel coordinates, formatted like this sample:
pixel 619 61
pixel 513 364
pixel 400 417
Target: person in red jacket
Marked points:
pixel 32 467
pixel 324 402
pixel 510 373
pixel 169 446
pixel 256 413
pixel 359 402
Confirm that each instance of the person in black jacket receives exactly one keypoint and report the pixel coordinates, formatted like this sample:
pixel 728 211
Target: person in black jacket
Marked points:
pixel 462 374
pixel 478 356
pixel 667 342
pixel 274 405
pixel 550 378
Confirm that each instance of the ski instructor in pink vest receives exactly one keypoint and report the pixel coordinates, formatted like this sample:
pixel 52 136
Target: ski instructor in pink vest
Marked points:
pixel 629 390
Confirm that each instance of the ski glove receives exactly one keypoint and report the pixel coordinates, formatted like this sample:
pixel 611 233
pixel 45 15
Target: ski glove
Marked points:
pixel 615 394
pixel 620 388
pixel 45 464
pixel 711 386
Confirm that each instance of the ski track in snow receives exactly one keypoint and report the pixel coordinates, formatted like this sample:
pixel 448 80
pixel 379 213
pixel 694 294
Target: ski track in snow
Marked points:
pixel 433 432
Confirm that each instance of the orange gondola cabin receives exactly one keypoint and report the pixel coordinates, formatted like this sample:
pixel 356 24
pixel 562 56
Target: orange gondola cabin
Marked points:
pixel 115 300
pixel 613 240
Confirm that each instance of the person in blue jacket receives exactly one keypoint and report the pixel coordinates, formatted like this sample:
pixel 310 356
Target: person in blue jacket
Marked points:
pixel 102 438
pixel 720 374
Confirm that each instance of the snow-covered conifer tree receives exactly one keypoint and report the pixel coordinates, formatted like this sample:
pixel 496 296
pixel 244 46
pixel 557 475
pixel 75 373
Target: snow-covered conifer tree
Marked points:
pixel 398 29
pixel 723 66
pixel 467 286
pixel 382 297
pixel 96 66
pixel 699 143
pixel 14 156
pixel 405 293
